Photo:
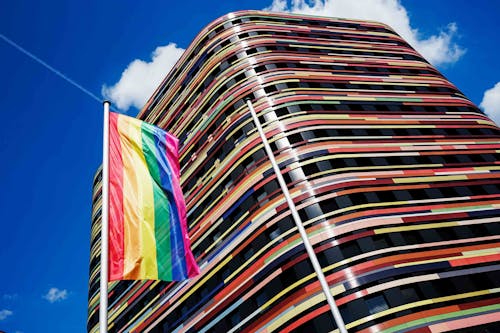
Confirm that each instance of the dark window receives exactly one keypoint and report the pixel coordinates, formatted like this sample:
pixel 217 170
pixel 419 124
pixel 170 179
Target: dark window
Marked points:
pixel 261 298
pixel 376 304
pixel 235 319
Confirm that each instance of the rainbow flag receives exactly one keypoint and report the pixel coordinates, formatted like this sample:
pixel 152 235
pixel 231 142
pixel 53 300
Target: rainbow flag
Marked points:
pixel 147 215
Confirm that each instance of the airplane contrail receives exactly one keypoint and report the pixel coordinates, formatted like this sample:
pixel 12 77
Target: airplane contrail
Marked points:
pixel 50 68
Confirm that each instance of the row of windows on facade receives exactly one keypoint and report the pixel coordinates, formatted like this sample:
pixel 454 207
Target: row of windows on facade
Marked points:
pixel 334 133
pixel 315 107
pixel 438 191
pixel 339 85
pixel 311 107
pixel 231 59
pixel 336 165
pixel 447 160
pixel 351 35
pixel 390 298
pixel 366 244
pixel 363 245
pixel 291 47
pixel 226 64
pixel 397 296
pixel 259 198
pixel 325 38
pixel 335 130
pixel 265 65
pixel 390 133
pixel 257 28
pixel 325 87
pixel 317 33
pixel 376 72
pixel 358 246
pixel 244 167
pixel 220 70
pixel 387 194
pixel 219 150
pixel 354 248
pixel 254 20
pixel 346 38
pixel 368 69
pixel 354 310
pixel 348 250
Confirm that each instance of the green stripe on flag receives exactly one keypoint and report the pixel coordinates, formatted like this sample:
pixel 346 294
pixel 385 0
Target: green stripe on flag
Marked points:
pixel 161 209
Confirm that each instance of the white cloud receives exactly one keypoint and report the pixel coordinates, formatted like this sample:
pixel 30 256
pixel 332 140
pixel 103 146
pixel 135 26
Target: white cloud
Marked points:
pixel 55 294
pixel 491 103
pixel 10 297
pixel 141 78
pixel 439 49
pixel 5 313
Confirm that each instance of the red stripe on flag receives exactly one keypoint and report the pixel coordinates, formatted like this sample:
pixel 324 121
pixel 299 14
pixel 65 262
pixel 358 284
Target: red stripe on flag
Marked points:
pixel 116 240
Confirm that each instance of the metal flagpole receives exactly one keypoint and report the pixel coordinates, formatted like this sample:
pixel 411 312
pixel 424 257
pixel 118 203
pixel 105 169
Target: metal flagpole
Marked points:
pixel 298 222
pixel 103 291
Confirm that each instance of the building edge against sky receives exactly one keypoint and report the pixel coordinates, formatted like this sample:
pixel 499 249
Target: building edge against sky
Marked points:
pixel 393 170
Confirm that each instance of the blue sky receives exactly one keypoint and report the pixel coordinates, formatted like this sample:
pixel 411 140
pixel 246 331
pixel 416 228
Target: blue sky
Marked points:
pixel 50 142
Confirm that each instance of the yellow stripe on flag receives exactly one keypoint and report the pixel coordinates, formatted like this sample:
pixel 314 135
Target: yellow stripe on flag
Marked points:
pixel 140 251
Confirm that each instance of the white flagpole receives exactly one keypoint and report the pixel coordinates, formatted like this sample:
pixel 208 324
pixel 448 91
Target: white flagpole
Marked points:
pixel 298 223
pixel 103 291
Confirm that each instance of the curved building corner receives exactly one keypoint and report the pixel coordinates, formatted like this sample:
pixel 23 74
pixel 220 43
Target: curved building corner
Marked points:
pixel 393 170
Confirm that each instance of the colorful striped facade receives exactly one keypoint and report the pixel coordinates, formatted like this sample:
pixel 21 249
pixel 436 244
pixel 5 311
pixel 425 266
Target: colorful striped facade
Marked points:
pixel 395 174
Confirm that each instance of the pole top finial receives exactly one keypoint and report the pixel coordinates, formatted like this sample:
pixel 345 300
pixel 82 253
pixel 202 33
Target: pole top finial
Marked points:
pixel 106 102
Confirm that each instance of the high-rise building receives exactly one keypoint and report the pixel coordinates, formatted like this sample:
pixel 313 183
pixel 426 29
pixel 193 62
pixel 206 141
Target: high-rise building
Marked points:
pixel 394 172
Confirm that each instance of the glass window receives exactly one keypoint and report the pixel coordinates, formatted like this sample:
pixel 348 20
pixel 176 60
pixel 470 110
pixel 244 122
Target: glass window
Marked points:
pixel 350 249
pixel 359 132
pixel 371 197
pixel 235 318
pixel 302 269
pixel 350 162
pixel 324 165
pixel 379 161
pixel 491 189
pixel 275 233
pixel 463 158
pixel 313 211
pixel 380 242
pixel 376 304
pixel 463 191
pixel 261 298
pixel 402 195
pixel 433 193
pixel 343 201
pixel 248 253
pixel 409 295
pixel 436 159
